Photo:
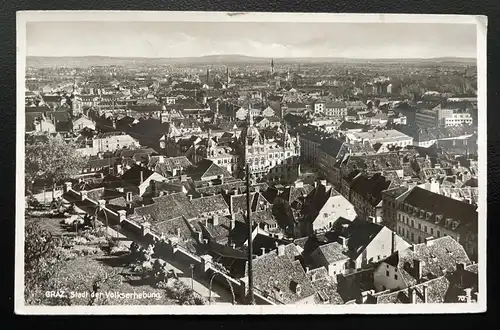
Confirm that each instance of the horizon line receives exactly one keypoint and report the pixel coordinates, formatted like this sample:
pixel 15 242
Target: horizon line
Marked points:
pixel 260 57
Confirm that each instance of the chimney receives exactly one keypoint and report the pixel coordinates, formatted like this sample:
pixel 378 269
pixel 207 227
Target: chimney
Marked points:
pixel 307 269
pixel 215 220
pixel 344 241
pixel 200 237
pixel 226 191
pixel 235 191
pixel 233 245
pixel 315 184
pixel 190 196
pixel 468 295
pixel 417 265
pixel 67 186
pixel 323 182
pixel 142 176
pixel 178 232
pixel 372 219
pixel 122 215
pixel 221 178
pixel 412 295
pixel 425 293
pixel 256 189
pixel 393 242
pixel 262 251
pixel 460 266
pixel 232 224
pixel 429 241
pixel 128 196
pixel 281 250
pixel 161 159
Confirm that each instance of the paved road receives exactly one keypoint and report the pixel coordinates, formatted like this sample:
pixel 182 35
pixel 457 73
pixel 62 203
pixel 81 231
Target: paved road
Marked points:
pixel 220 295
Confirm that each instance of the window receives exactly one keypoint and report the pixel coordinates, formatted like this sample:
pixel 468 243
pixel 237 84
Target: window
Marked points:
pixel 425 229
pixel 396 277
pixel 387 273
pixel 399 217
pixel 413 223
pixel 412 237
pixel 419 227
pixel 419 241
pixel 432 231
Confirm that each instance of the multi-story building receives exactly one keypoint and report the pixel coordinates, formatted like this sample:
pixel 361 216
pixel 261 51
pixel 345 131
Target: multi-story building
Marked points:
pixel 336 109
pixel 441 117
pixel 423 214
pixel 108 141
pixel 386 137
pixel 277 158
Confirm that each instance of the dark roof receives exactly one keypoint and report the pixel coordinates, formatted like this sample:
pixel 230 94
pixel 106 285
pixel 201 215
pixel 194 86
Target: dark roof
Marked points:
pixel 207 168
pixel 133 175
pixel 359 233
pixel 332 147
pixel 167 207
pixel 465 214
pixel 346 125
pixel 370 187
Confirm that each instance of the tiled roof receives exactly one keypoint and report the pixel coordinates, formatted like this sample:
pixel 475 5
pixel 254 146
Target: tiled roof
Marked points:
pixel 167 207
pixel 291 194
pixel 238 203
pixel 333 252
pixel 166 167
pixel 207 204
pixel 378 162
pixel 437 257
pixel 370 187
pixel 325 287
pixel 276 276
pixel 352 285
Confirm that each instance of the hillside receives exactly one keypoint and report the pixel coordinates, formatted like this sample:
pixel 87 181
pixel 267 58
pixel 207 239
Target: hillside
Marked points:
pixel 86 61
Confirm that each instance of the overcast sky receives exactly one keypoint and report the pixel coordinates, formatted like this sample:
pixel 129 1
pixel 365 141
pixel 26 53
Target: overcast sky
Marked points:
pixel 186 39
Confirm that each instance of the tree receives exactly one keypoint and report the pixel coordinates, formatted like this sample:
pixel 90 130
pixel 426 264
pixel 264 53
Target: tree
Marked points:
pixel 52 160
pixel 41 262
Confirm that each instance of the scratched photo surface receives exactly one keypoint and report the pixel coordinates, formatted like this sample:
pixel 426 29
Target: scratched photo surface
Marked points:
pixel 206 163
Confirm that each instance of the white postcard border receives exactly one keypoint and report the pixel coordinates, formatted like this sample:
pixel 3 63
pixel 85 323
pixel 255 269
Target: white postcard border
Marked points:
pixel 24 17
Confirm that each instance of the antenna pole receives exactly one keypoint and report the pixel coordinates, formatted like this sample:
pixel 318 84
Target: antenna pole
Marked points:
pixel 251 300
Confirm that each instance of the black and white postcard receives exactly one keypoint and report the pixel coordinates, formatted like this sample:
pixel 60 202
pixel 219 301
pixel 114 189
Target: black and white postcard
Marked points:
pixel 250 163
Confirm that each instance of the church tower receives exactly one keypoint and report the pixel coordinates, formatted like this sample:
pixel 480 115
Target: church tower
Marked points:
pixel 272 67
pixel 228 79
pixel 208 76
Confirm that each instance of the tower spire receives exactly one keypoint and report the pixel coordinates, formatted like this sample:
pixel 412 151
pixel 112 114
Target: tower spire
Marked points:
pixel 272 66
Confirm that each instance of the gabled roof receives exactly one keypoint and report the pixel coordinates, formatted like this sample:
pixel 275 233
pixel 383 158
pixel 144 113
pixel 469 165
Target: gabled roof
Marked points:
pixel 165 208
pixel 437 258
pixel 359 233
pixel 206 168
pixel 207 204
pixel 277 276
pixel 133 175
pixel 332 252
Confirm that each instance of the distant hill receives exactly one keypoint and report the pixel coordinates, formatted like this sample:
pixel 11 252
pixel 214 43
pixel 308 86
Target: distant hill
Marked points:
pixel 86 61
